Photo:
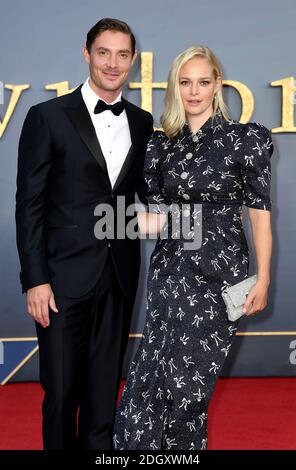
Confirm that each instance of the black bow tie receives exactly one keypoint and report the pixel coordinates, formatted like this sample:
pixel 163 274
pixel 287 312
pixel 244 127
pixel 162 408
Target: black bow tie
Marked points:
pixel 116 108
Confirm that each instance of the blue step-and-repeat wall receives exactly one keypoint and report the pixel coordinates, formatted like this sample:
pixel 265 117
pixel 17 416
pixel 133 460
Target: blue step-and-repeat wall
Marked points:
pixel 41 57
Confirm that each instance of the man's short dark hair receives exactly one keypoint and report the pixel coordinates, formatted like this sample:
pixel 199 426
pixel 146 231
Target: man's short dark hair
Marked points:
pixel 109 24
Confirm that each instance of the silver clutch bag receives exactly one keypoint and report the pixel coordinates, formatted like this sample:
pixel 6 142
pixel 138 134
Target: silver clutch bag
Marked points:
pixel 235 297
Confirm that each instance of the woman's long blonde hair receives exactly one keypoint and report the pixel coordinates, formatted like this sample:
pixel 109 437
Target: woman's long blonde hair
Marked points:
pixel 173 116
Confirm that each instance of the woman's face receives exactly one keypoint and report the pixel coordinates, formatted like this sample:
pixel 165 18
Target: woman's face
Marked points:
pixel 198 86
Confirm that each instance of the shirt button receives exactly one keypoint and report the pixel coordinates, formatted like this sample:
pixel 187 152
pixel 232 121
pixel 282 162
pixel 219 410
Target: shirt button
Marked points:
pixel 186 212
pixel 108 245
pixel 184 175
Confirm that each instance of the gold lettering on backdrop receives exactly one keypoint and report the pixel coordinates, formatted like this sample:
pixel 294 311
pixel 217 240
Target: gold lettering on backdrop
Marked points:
pixel 288 103
pixel 62 88
pixel 15 96
pixel 247 99
pixel 147 84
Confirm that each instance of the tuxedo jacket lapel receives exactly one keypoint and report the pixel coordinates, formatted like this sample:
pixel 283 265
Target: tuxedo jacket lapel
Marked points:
pixel 79 116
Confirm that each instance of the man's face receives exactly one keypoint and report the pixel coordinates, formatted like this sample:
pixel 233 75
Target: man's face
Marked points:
pixel 110 60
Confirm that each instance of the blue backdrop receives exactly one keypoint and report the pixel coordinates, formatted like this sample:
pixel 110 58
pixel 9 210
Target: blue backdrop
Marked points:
pixel 41 44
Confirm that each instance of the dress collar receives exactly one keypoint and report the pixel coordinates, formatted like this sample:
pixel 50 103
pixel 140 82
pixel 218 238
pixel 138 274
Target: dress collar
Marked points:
pixel 209 125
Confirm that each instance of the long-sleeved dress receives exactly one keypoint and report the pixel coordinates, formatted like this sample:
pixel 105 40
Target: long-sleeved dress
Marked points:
pixel 207 176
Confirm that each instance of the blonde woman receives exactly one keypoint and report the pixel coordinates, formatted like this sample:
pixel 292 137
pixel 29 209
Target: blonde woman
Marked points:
pixel 207 166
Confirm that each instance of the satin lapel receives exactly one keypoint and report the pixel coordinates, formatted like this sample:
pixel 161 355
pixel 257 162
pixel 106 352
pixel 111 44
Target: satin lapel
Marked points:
pixel 132 151
pixel 82 122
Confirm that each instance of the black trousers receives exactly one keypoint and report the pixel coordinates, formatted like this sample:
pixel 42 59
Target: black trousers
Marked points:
pixel 81 355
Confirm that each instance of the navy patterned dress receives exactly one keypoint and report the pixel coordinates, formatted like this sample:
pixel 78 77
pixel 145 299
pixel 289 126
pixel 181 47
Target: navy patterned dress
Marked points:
pixel 208 176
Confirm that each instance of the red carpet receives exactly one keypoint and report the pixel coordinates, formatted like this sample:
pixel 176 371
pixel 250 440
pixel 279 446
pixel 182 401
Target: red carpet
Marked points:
pixel 244 414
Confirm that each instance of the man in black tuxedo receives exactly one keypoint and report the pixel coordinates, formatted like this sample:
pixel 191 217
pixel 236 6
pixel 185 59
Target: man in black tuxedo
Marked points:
pixel 77 151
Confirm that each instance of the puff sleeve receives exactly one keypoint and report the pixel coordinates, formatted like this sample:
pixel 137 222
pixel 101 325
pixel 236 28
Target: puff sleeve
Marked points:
pixel 153 175
pixel 254 159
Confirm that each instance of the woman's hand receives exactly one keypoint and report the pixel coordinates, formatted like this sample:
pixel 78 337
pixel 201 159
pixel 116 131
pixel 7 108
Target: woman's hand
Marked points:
pixel 150 223
pixel 257 298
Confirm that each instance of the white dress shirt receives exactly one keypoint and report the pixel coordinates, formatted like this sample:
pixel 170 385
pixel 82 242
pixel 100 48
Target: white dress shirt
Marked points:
pixel 112 132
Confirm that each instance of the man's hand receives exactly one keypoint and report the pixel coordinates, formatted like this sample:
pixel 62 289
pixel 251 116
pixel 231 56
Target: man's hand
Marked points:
pixel 38 300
